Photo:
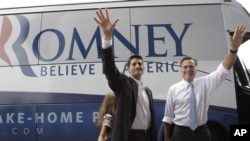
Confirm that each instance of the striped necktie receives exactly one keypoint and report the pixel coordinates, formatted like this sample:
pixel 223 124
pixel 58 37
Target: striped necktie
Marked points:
pixel 192 115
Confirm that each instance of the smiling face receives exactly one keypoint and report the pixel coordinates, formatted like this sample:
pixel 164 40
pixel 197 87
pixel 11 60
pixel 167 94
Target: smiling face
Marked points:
pixel 188 69
pixel 136 67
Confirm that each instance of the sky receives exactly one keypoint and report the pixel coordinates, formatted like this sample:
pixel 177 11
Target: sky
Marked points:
pixel 243 51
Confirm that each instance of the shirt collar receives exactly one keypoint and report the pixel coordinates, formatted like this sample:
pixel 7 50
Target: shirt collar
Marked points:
pixel 185 83
pixel 138 82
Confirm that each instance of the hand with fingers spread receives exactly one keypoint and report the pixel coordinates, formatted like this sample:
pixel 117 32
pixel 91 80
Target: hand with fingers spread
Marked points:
pixel 235 42
pixel 238 36
pixel 105 24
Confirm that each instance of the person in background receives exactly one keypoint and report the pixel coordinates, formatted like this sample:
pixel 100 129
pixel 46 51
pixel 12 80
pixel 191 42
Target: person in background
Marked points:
pixel 135 119
pixel 187 101
pixel 106 118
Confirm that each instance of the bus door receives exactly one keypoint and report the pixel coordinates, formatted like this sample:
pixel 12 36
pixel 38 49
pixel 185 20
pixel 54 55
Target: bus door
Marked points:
pixel 242 84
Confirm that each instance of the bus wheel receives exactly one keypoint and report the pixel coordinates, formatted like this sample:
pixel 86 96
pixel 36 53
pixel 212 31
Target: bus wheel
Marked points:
pixel 218 132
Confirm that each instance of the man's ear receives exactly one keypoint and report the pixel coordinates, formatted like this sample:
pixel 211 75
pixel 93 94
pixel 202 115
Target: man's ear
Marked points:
pixel 128 69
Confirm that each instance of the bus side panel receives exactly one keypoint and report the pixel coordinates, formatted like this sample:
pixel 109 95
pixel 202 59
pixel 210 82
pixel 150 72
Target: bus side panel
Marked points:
pixel 74 122
pixel 52 72
pixel 49 122
pixel 17 122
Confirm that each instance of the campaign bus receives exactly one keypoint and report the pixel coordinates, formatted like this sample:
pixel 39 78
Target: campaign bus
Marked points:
pixel 52 82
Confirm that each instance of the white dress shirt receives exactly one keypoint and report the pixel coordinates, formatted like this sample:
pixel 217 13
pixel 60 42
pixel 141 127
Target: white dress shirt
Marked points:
pixel 143 115
pixel 177 102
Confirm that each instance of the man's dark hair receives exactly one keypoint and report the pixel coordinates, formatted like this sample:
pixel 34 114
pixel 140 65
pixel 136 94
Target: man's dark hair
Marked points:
pixel 189 58
pixel 132 57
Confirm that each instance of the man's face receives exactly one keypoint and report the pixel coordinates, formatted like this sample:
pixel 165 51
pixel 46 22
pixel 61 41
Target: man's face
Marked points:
pixel 188 70
pixel 136 68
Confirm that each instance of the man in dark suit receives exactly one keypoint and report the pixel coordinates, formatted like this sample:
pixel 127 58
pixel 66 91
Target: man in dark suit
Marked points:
pixel 135 111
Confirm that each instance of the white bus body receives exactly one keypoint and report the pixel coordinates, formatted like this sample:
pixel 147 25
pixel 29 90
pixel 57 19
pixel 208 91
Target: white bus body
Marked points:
pixel 51 76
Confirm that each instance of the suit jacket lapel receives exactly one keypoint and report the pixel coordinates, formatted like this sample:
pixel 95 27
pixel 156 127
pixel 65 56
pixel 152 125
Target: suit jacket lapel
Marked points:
pixel 150 98
pixel 134 94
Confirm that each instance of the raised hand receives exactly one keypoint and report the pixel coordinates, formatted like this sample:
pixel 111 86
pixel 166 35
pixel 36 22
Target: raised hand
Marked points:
pixel 238 36
pixel 105 24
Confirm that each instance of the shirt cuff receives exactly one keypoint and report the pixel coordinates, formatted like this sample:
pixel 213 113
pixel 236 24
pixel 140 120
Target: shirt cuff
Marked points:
pixel 106 43
pixel 223 69
pixel 167 120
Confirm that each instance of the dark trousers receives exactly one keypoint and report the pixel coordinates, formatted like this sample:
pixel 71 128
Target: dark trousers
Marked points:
pixel 182 133
pixel 140 135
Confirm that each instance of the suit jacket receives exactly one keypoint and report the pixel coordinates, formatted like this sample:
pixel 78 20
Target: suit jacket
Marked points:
pixel 126 91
